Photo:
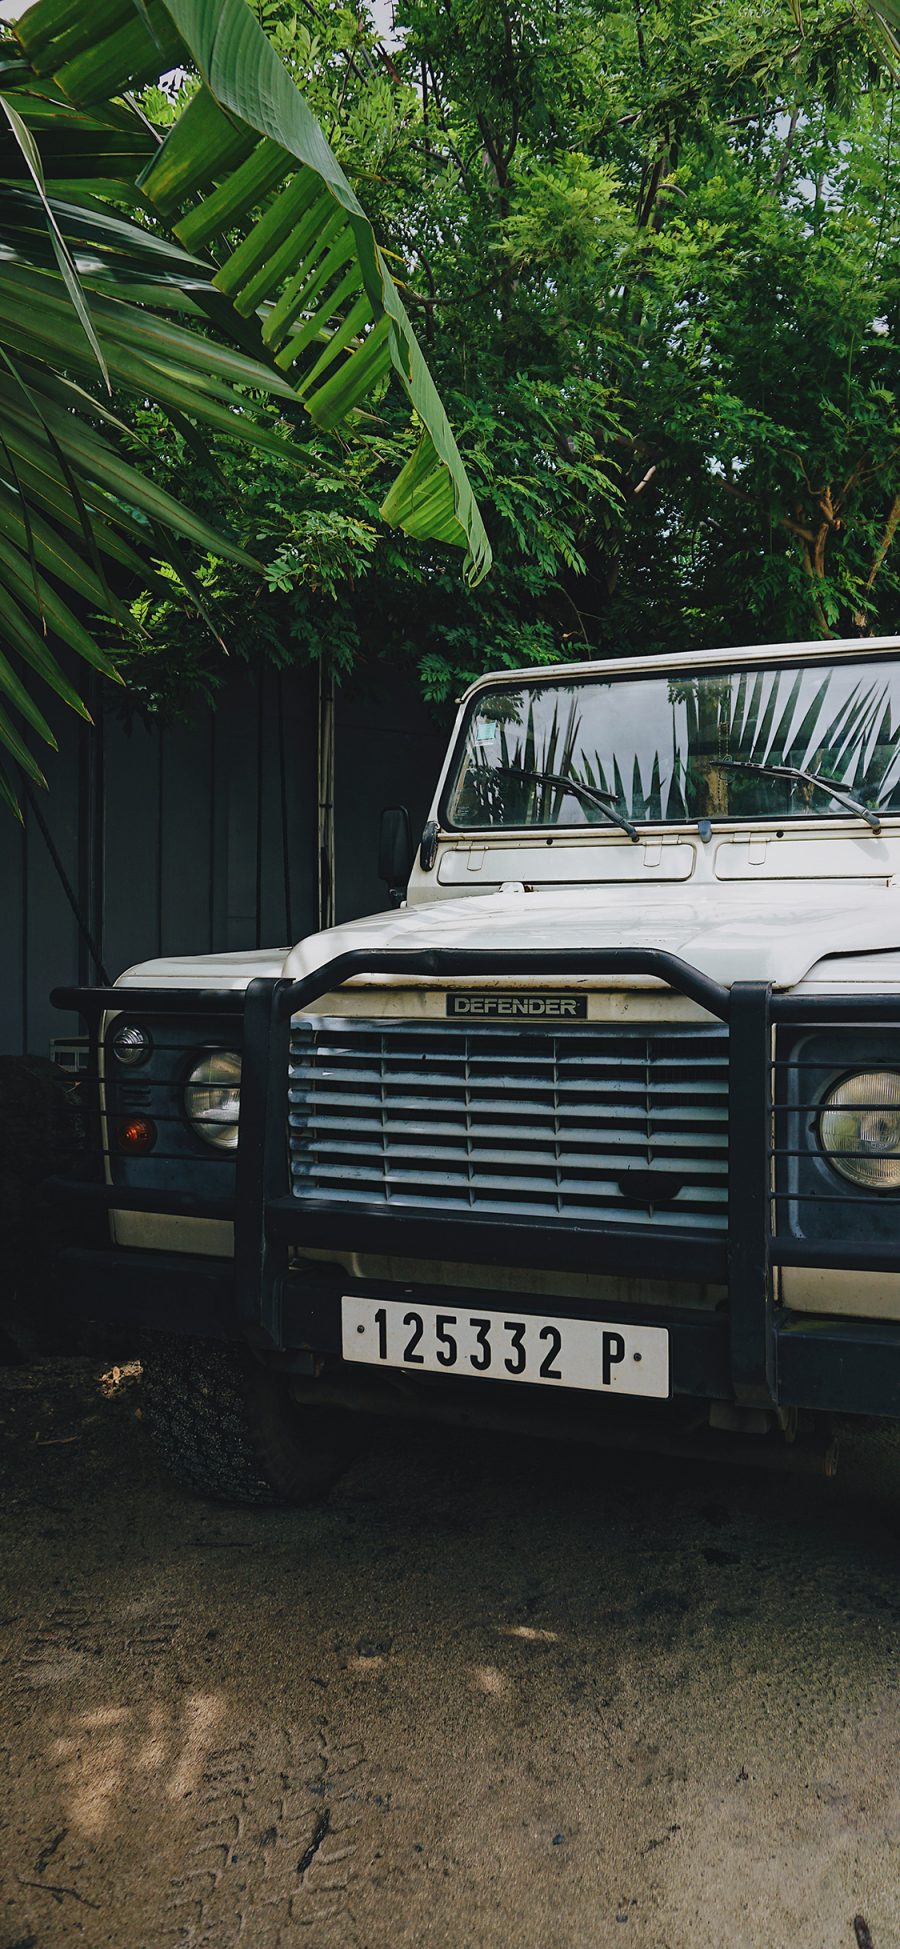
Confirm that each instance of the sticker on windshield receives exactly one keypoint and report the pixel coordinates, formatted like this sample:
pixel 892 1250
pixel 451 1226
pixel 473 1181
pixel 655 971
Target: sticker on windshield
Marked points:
pixel 485 731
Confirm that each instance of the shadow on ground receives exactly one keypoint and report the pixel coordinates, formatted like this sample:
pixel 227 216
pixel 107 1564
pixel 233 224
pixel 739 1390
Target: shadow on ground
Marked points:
pixel 489 1693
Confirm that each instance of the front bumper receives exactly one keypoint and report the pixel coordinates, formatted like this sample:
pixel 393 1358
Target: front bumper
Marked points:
pixel 751 1351
pixel 832 1366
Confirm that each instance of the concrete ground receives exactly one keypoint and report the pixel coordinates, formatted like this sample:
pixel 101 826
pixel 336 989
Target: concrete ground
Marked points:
pixel 490 1695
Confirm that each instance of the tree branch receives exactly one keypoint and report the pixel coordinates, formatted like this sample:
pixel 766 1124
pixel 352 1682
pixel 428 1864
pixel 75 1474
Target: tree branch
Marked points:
pixel 778 177
pixel 781 520
pixel 893 522
pixel 442 121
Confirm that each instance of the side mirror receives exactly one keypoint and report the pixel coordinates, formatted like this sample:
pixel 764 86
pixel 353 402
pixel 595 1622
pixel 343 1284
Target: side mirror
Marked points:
pixel 395 854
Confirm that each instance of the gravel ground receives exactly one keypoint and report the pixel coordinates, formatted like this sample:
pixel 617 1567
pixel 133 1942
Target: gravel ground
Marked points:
pixel 489 1693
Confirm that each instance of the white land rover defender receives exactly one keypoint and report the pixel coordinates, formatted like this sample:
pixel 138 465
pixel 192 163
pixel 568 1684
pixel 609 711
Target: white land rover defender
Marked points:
pixel 606 1106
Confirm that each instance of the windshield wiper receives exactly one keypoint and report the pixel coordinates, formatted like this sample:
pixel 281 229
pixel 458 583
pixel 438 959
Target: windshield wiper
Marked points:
pixel 809 778
pixel 590 793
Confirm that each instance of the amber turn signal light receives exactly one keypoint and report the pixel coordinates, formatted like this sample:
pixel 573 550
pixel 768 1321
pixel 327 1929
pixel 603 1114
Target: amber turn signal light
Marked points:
pixel 137 1135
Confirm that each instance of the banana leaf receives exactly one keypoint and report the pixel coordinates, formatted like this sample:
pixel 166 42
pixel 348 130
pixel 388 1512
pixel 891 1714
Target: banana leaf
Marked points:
pixel 887 15
pixel 244 225
pixel 76 497
pixel 334 321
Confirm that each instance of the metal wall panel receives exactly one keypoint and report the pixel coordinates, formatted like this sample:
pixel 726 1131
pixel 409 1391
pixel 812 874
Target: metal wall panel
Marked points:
pixel 173 835
pixel 389 748
pixel 131 833
pixel 50 931
pixel 186 835
pixel 13 866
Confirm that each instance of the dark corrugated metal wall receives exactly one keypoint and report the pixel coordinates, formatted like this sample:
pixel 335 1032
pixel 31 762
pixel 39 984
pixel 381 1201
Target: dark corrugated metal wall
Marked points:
pixel 172 836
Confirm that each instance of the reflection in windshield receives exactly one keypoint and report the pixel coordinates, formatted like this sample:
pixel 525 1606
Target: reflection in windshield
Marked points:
pixel 664 748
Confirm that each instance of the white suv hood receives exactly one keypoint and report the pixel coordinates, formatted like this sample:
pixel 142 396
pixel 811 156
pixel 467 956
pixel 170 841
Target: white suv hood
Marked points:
pixel 775 933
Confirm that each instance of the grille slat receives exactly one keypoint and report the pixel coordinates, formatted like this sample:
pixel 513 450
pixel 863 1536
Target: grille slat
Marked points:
pixel 590 1104
pixel 579 1081
pixel 355 1133
pixel 574 1172
pixel 546 1123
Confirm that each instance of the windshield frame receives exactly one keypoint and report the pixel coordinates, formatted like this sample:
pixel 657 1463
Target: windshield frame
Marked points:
pixel 724 666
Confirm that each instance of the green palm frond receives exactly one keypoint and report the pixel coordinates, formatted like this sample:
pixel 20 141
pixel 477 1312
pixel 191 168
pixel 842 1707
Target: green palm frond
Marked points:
pixel 887 15
pixel 77 504
pixel 248 275
pixel 309 265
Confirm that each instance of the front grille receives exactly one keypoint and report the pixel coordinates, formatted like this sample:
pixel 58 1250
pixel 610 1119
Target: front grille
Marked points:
pixel 563 1122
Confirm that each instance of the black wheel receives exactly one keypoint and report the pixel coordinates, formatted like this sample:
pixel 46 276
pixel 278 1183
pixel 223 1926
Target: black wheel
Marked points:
pixel 226 1425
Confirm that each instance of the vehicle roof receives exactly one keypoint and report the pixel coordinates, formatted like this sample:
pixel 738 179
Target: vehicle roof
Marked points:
pixel 752 653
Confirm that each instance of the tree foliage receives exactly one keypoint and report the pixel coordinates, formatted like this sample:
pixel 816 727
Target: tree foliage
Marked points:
pixel 235 213
pixel 654 251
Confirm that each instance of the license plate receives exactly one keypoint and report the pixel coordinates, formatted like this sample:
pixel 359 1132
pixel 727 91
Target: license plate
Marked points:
pixel 504 1346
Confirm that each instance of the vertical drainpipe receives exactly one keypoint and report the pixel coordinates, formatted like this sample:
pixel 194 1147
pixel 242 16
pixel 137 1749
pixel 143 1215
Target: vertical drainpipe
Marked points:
pixel 325 853
pixel 260 774
pixel 91 832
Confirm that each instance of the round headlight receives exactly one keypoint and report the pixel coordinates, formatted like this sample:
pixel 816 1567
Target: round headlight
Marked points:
pixel 859 1129
pixel 212 1098
pixel 130 1045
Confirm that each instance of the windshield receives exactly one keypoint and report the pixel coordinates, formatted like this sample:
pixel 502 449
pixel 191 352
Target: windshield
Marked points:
pixel 657 749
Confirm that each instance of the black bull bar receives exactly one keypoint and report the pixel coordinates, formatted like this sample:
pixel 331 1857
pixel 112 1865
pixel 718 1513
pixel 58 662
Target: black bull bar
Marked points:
pixel 751 1350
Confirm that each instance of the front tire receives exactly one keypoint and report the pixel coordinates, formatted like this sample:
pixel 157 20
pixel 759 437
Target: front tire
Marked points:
pixel 225 1424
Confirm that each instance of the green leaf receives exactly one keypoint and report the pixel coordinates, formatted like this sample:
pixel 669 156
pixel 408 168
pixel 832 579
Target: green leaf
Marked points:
pixel 8 795
pixel 61 251
pixel 101 65
pixel 45 602
pixel 203 146
pixel 245 186
pixel 95 150
pixel 51 551
pixel 16 745
pixel 99 463
pixel 246 78
pixel 249 119
pixel 887 15
pixel 414 502
pixel 19 632
pixel 85 290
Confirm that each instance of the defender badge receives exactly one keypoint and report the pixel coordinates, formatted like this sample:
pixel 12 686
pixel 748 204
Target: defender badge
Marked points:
pixel 558 1007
